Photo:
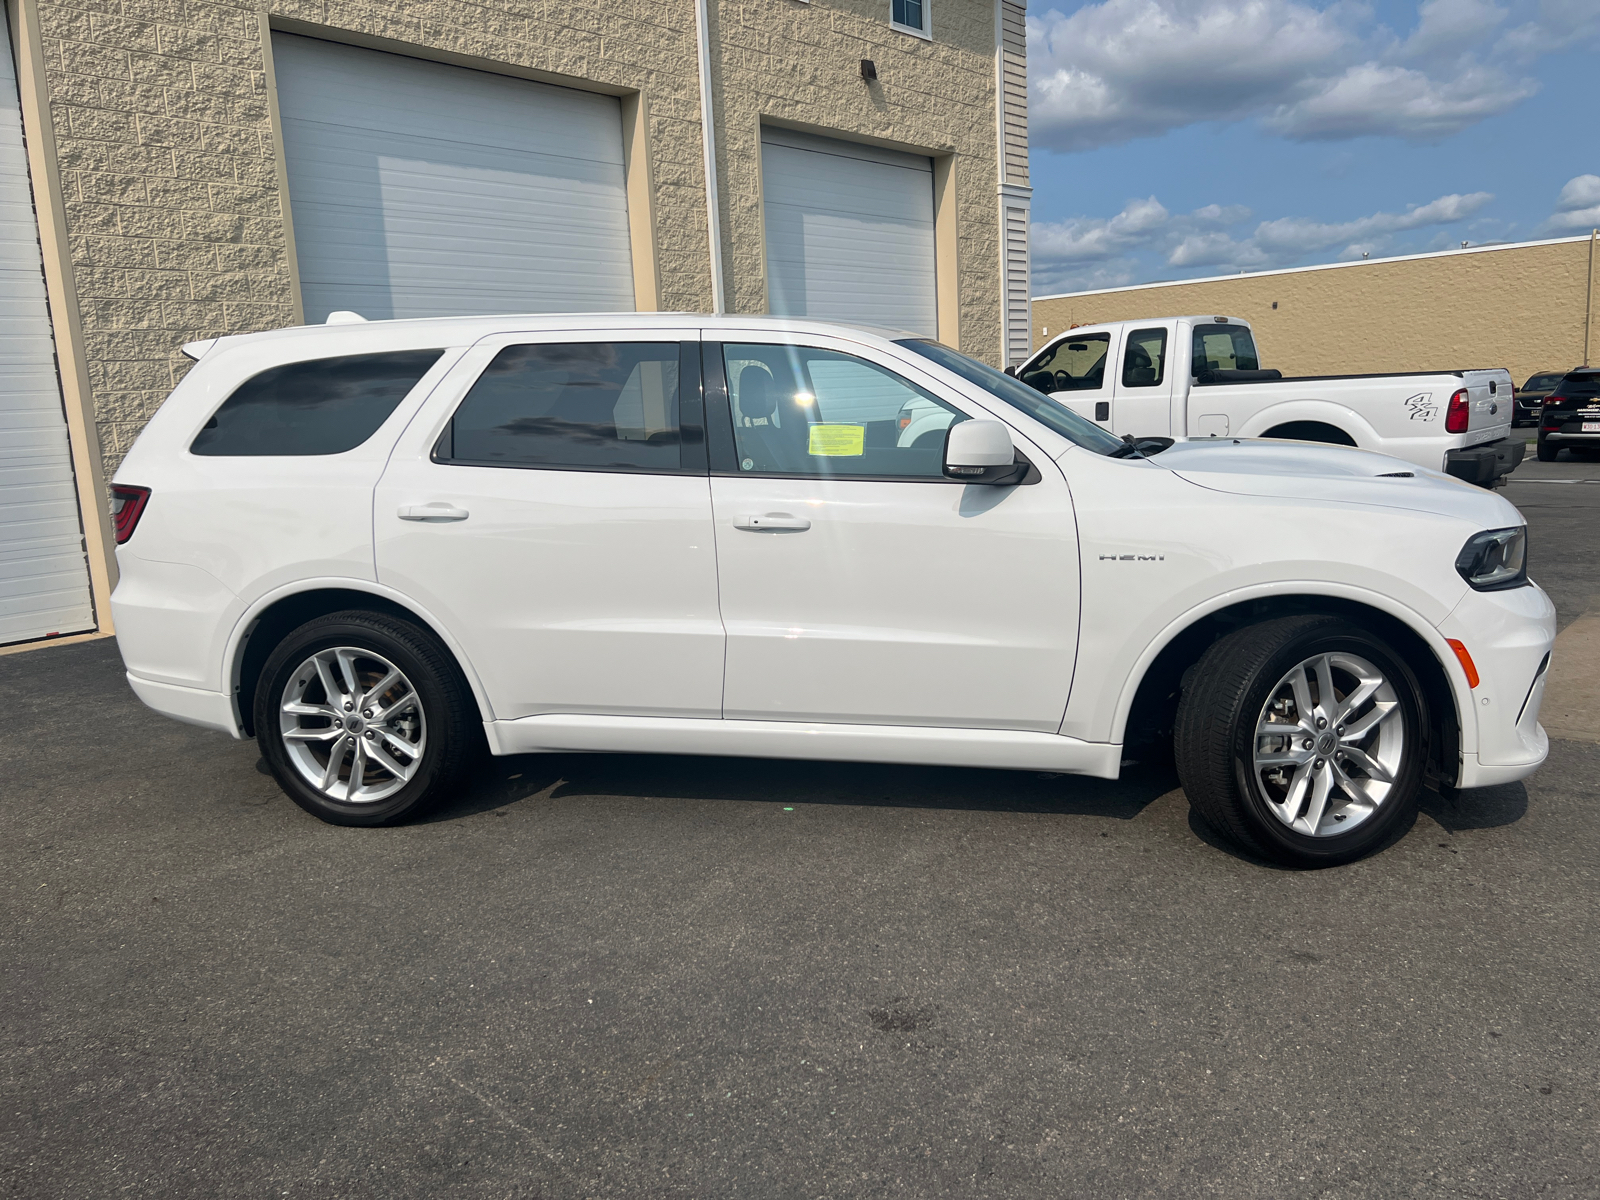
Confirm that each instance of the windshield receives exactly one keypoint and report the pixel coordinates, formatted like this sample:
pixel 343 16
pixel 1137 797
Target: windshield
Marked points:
pixel 1542 382
pixel 1001 386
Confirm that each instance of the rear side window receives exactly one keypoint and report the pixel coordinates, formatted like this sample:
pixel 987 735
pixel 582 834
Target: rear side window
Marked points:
pixel 593 406
pixel 324 406
pixel 1144 363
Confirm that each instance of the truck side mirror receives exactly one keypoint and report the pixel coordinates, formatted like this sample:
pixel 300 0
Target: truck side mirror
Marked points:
pixel 981 452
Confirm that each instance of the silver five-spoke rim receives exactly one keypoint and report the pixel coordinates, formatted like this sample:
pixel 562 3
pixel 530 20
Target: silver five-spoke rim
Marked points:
pixel 1328 744
pixel 352 725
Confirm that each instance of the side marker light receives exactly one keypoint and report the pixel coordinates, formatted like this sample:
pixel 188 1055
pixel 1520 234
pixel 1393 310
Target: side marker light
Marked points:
pixel 1465 659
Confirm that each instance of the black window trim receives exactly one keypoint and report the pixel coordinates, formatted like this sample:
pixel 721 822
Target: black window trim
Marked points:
pixel 719 425
pixel 691 420
pixel 1127 342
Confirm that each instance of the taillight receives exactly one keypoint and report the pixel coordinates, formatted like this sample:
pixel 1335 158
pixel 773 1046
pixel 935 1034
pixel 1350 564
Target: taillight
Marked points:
pixel 1546 418
pixel 127 506
pixel 1457 416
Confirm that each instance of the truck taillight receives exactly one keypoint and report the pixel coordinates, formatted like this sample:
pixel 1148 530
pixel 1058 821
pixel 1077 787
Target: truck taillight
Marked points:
pixel 1457 415
pixel 127 506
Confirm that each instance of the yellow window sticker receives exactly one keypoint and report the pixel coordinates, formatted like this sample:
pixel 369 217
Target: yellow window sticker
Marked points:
pixel 838 441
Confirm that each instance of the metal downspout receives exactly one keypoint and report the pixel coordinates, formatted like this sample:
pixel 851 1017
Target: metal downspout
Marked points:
pixel 708 140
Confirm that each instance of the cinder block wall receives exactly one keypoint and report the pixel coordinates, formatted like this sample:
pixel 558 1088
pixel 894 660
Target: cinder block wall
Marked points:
pixel 177 224
pixel 1519 307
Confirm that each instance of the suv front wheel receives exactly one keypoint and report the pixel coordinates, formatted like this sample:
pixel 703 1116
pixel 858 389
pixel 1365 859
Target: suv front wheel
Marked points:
pixel 1301 739
pixel 364 719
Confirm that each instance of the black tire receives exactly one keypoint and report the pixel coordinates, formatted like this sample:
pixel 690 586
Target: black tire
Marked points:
pixel 454 734
pixel 1225 695
pixel 1547 452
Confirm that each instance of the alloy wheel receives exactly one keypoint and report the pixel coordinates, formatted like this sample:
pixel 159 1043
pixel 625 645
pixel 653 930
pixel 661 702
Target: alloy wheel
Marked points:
pixel 1329 743
pixel 352 725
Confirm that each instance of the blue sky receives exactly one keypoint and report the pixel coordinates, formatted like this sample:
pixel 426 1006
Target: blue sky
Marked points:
pixel 1181 138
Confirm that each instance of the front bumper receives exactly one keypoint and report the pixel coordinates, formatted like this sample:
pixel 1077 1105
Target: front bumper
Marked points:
pixel 1486 463
pixel 1509 635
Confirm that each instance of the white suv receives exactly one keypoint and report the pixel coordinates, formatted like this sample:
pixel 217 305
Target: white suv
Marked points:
pixel 376 546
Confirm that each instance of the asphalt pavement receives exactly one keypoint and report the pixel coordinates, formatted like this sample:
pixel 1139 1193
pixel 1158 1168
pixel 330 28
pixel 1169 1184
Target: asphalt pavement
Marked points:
pixel 618 976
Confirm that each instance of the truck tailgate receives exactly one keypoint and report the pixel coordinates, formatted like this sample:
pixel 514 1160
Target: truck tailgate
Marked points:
pixel 1489 404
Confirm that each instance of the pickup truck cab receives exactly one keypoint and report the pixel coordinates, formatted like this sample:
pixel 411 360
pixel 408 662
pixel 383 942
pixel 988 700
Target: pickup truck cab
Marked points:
pixel 1201 377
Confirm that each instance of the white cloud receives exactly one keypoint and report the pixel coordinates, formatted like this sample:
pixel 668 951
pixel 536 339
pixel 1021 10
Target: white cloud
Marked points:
pixel 1121 69
pixel 1088 252
pixel 1577 207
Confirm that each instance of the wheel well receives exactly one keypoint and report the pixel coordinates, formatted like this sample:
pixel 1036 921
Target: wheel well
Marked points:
pixel 1155 704
pixel 283 616
pixel 1311 431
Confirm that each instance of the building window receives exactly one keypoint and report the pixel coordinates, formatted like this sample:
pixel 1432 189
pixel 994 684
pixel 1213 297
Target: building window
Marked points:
pixel 910 15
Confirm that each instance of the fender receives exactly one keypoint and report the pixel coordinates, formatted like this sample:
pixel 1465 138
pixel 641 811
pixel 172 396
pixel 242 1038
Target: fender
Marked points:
pixel 1460 689
pixel 232 658
pixel 1326 411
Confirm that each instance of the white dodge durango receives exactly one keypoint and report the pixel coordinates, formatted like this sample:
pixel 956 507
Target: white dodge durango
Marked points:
pixel 376 546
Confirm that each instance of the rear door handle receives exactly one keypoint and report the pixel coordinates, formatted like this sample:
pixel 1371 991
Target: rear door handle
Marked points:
pixel 774 521
pixel 436 511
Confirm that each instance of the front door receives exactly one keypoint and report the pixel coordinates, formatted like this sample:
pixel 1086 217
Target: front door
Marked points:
pixel 858 584
pixel 1078 371
pixel 551 507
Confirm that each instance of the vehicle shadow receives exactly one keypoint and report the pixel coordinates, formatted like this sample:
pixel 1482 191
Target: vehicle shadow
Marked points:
pixel 1477 808
pixel 512 780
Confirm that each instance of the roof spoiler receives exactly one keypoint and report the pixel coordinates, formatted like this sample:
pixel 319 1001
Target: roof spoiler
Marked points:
pixel 196 350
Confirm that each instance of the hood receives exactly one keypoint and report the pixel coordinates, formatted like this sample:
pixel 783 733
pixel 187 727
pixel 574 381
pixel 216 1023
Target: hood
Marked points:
pixel 1316 471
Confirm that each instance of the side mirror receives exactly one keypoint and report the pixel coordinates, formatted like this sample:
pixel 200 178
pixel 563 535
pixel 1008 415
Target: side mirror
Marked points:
pixel 981 452
pixel 1011 371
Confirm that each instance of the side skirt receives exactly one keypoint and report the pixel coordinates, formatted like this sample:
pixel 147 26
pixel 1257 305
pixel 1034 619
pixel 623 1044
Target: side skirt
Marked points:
pixel 1002 748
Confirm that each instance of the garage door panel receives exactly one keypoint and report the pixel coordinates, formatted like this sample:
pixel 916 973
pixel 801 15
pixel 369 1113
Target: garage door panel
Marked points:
pixel 44 573
pixel 849 232
pixel 421 189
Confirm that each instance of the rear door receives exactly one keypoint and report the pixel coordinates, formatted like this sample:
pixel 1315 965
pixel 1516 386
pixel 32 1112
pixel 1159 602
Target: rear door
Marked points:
pixel 1146 372
pixel 551 507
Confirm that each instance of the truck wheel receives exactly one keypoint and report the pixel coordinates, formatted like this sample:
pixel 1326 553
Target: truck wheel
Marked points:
pixel 1546 452
pixel 364 719
pixel 1300 739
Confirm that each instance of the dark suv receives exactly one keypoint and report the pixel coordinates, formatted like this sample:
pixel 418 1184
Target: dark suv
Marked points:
pixel 1572 416
pixel 1530 396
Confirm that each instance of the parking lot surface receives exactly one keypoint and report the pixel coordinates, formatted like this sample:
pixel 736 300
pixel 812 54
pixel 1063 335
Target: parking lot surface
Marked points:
pixel 636 976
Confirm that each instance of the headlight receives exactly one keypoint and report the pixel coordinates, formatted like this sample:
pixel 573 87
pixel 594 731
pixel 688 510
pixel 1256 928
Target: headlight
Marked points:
pixel 1495 559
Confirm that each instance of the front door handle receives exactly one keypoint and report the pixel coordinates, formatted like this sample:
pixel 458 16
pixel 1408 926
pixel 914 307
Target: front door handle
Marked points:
pixel 774 521
pixel 437 511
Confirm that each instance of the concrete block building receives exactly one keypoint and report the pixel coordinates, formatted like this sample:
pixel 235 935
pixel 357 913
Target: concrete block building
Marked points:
pixel 175 170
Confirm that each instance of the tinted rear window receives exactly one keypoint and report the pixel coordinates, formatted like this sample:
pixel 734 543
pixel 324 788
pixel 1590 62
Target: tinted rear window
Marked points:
pixel 324 406
pixel 1580 385
pixel 573 405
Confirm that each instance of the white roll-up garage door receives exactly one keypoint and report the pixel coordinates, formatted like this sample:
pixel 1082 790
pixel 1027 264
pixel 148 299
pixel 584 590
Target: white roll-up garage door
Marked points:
pixel 420 189
pixel 849 232
pixel 44 575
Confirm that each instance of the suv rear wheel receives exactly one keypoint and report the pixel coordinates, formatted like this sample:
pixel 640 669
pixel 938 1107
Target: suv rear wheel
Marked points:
pixel 1300 739
pixel 364 719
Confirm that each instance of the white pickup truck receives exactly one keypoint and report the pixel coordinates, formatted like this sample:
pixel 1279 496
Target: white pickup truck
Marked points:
pixel 1201 377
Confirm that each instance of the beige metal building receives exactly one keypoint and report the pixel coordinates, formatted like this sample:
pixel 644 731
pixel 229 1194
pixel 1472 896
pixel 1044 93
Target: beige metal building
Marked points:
pixel 172 170
pixel 1528 307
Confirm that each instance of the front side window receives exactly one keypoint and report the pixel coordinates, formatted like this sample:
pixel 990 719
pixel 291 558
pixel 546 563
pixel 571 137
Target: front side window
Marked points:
pixel 1052 414
pixel 324 406
pixel 799 410
pixel 576 405
pixel 1077 364
pixel 1223 348
pixel 913 14
pixel 1144 362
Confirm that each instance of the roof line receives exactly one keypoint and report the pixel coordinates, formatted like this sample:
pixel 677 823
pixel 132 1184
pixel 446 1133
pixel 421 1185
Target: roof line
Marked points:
pixel 1359 262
